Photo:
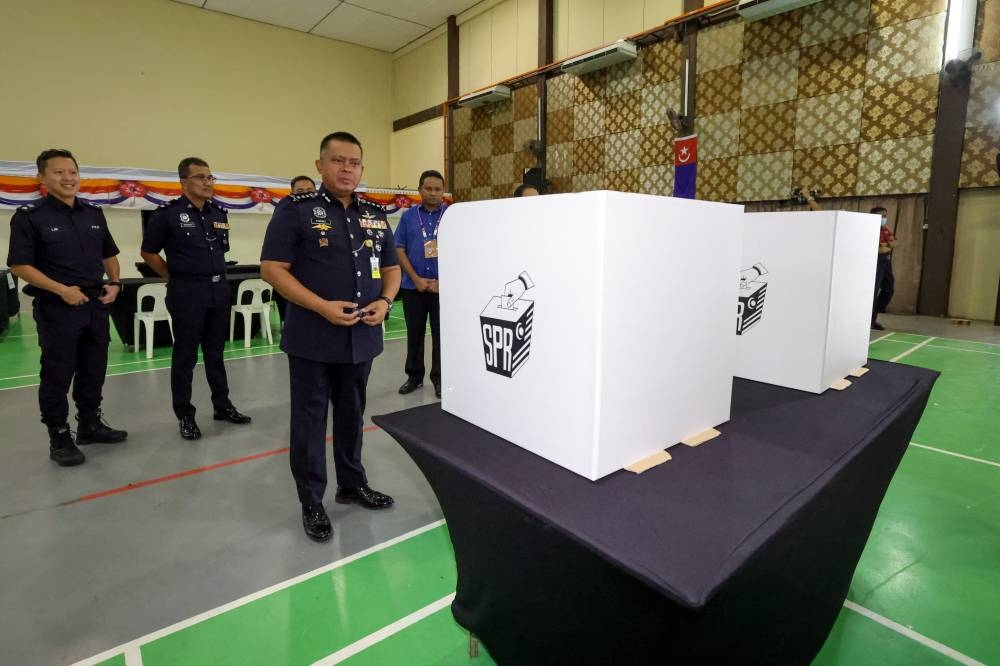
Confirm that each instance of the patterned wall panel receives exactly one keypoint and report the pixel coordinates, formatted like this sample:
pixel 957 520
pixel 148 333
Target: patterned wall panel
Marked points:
pixel 609 129
pixel 982 131
pixel 487 156
pixel 839 96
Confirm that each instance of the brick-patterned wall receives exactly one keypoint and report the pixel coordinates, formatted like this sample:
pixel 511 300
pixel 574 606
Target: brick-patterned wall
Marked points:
pixel 982 123
pixel 609 129
pixel 487 157
pixel 840 96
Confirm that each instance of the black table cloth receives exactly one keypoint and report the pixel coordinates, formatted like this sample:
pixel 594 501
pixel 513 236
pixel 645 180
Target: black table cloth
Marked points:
pixel 738 551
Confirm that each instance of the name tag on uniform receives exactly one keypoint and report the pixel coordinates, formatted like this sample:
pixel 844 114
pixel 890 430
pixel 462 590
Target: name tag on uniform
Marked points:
pixel 376 274
pixel 220 225
pixel 431 249
pixel 372 223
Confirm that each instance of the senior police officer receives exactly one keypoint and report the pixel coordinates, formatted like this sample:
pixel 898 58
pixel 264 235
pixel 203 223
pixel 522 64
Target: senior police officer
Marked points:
pixel 332 256
pixel 62 247
pixel 194 233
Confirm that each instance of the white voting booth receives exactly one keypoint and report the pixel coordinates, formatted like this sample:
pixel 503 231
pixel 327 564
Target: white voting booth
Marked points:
pixel 592 329
pixel 806 289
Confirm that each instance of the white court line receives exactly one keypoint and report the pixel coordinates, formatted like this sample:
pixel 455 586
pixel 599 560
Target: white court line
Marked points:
pixel 242 601
pixel 957 455
pixel 879 339
pixel 134 372
pixel 974 351
pixel 913 635
pixel 385 632
pixel 910 350
pixel 133 656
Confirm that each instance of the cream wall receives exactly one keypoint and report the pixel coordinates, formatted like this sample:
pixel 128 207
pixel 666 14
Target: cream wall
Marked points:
pixel 416 149
pixel 145 82
pixel 496 40
pixel 583 25
pixel 976 268
pixel 420 74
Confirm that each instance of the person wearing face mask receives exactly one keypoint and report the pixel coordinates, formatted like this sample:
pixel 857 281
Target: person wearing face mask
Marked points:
pixel 884 280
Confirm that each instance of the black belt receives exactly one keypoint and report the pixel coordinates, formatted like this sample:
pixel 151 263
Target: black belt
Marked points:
pixel 194 277
pixel 93 292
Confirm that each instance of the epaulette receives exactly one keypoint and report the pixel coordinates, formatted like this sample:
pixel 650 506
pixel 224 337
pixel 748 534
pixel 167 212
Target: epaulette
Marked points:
pixel 304 196
pixel 27 208
pixel 88 203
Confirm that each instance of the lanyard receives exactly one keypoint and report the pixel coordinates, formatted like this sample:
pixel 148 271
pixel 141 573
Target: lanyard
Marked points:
pixel 420 219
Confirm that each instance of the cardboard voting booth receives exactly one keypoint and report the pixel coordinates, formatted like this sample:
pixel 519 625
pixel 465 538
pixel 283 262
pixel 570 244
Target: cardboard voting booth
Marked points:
pixel 805 302
pixel 593 329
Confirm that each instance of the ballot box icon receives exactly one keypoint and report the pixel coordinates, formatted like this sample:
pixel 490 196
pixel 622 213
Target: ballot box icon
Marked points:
pixel 505 325
pixel 753 288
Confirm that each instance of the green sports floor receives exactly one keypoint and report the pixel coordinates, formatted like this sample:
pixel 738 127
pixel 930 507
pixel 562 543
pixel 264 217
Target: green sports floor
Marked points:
pixel 926 591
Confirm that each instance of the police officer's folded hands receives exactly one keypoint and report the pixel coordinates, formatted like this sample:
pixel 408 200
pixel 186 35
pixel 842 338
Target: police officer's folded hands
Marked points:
pixel 375 312
pixel 339 313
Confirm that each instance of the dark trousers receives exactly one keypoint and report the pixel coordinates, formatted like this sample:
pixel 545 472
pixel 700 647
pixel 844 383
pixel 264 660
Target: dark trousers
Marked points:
pixel 417 307
pixel 314 386
pixel 74 341
pixel 199 320
pixel 885 285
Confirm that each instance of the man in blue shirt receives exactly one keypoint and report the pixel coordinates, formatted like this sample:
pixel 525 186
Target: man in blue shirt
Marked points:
pixel 416 246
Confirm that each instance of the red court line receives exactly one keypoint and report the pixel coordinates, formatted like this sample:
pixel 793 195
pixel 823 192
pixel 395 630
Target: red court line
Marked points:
pixel 192 472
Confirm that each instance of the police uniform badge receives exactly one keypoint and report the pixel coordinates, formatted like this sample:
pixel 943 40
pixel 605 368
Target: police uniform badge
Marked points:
pixel 184 217
pixel 369 221
pixel 324 242
pixel 319 211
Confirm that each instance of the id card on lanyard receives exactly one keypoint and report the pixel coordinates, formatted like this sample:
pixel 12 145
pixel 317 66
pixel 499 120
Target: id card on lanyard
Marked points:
pixel 430 242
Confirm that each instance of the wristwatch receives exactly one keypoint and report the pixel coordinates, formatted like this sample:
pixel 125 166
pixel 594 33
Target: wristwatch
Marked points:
pixel 388 302
pixel 114 283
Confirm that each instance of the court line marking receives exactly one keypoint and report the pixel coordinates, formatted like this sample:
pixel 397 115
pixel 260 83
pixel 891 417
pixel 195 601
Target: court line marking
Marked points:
pixel 880 338
pixel 385 632
pixel 243 601
pixel 974 351
pixel 911 350
pixel 135 372
pixel 957 455
pixel 133 656
pixel 913 635
pixel 194 471
pixel 166 367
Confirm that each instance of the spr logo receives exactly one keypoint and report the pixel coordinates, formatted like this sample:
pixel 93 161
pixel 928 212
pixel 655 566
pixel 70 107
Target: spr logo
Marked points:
pixel 505 326
pixel 753 289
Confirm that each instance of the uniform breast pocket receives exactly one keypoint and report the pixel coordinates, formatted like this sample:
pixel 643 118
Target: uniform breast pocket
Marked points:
pixel 54 235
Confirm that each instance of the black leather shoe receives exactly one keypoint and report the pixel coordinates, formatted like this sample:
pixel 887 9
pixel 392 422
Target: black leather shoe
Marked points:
pixel 365 496
pixel 230 414
pixel 409 386
pixel 62 448
pixel 877 326
pixel 316 523
pixel 437 390
pixel 189 429
pixel 94 429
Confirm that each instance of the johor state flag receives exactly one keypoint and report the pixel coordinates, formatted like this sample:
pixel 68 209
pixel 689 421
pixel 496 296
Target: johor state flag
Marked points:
pixel 685 166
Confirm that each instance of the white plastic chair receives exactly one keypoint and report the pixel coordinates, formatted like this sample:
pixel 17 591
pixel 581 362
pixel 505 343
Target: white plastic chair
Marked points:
pixel 158 292
pixel 256 306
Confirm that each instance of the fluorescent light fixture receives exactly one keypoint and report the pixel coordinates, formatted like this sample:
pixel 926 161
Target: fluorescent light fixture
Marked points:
pixel 960 28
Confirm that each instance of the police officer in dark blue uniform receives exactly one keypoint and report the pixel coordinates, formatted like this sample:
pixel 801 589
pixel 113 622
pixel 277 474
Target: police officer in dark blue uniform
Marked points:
pixel 194 232
pixel 62 248
pixel 333 258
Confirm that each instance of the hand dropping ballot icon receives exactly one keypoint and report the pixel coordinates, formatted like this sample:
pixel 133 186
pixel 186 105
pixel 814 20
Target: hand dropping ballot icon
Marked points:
pixel 505 325
pixel 753 288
